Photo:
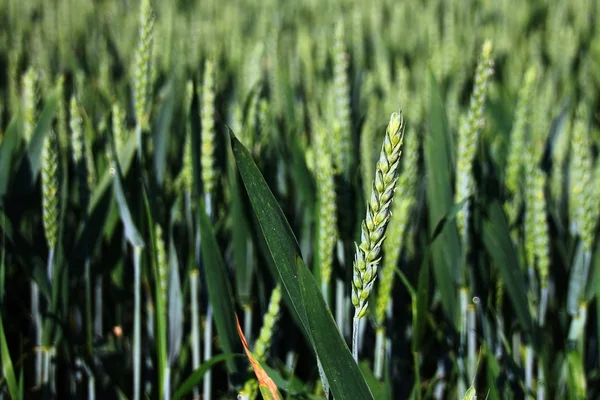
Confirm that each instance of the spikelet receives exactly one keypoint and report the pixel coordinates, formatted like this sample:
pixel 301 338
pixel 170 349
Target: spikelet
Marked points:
pixel 373 228
pixel 514 162
pixel 403 203
pixel 207 115
pixel 142 63
pixel 118 126
pixel 327 206
pixel 50 188
pixel 469 132
pixel 341 139
pixel 78 151
pixel 30 99
pixel 537 240
pixel 580 178
pixel 263 342
pixel 595 192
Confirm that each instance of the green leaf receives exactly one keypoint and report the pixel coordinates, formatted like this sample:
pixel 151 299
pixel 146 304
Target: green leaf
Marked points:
pixel 125 159
pixel 278 235
pixel 163 128
pixel 344 376
pixel 293 386
pixel 160 307
pixel 421 307
pixel 196 377
pixel 7 365
pixel 450 216
pixel 8 146
pixel 219 290
pixel 131 232
pixel 578 279
pixel 380 390
pixel 576 375
pixel 175 305
pixel 242 246
pixel 438 161
pixel 499 245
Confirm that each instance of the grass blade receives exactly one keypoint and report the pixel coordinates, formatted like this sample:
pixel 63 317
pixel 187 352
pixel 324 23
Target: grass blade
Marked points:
pixel 7 148
pixel 343 374
pixel 196 377
pixel 7 365
pixel 219 290
pixel 499 245
pixel 438 161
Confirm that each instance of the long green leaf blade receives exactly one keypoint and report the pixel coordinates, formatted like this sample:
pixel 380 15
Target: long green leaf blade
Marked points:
pixel 219 290
pixel 497 240
pixel 344 376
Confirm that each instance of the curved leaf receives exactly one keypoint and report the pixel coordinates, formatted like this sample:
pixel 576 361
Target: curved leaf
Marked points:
pixel 344 376
pixel 497 240
pixel 196 377
pixel 438 161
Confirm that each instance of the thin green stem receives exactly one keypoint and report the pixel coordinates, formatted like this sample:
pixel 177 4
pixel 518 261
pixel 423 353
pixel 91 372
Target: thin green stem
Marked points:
pixel 417 366
pixel 355 323
pixel 195 324
pixel 137 323
pixel 207 381
pixel 379 352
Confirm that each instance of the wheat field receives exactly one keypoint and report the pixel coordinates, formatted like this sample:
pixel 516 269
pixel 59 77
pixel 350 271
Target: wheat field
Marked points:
pixel 299 199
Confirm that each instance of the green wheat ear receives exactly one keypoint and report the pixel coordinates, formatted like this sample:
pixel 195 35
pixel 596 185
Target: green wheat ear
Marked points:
pixel 514 162
pixel 118 126
pixel 30 98
pixel 50 188
pixel 580 196
pixel 142 62
pixel 341 139
pixel 367 256
pixel 319 161
pixel 469 132
pixel 207 116
pixel 185 178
